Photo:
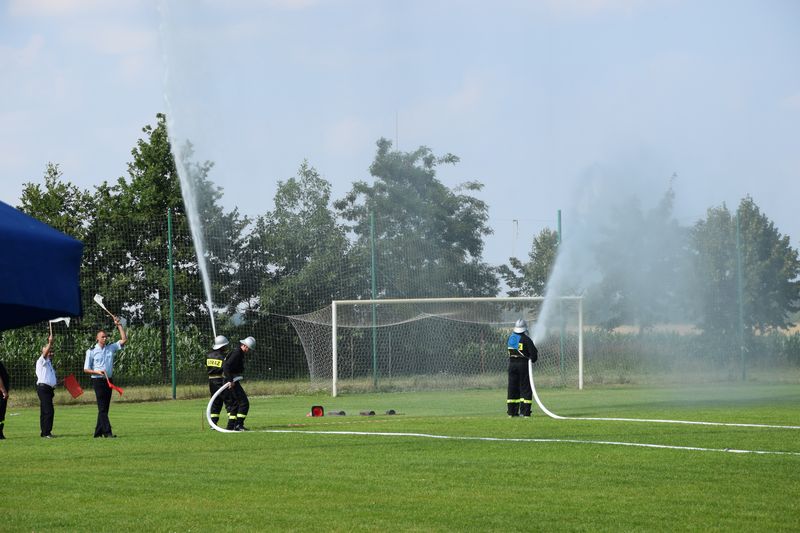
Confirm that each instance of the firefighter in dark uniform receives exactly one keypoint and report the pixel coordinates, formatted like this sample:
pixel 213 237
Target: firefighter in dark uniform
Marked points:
pixel 232 369
pixel 520 350
pixel 214 361
pixel 5 385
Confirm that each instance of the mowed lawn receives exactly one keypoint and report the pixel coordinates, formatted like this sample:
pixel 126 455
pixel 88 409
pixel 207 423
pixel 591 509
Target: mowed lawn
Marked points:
pixel 167 471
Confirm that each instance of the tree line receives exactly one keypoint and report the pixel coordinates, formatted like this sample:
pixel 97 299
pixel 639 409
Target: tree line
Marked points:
pixel 425 239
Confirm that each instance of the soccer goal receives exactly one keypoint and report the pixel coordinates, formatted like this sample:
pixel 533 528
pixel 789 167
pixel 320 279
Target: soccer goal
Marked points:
pixel 436 343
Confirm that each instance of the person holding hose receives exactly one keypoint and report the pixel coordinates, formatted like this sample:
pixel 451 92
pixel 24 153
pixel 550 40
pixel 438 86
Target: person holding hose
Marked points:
pixel 214 361
pixel 232 369
pixel 520 350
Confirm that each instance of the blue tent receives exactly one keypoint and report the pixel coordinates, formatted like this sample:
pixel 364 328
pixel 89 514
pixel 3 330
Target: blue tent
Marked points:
pixel 39 271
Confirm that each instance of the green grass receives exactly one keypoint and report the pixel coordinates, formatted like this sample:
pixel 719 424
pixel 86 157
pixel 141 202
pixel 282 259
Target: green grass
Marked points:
pixel 168 472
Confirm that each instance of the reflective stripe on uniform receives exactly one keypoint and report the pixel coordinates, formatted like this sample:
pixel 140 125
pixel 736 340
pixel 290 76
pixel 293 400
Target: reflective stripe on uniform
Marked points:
pixel 513 401
pixel 241 416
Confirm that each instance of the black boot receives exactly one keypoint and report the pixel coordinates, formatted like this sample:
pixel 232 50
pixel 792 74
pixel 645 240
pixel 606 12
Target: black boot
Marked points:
pixel 513 409
pixel 1 432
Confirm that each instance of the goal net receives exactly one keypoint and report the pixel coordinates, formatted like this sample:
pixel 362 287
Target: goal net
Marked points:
pixel 434 343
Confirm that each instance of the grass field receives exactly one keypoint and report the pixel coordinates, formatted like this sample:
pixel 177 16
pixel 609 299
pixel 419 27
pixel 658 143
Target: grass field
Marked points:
pixel 168 471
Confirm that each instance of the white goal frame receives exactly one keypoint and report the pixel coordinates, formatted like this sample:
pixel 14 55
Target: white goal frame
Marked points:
pixel 335 330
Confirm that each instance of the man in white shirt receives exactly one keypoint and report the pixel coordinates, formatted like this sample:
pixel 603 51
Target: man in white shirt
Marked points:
pixel 45 388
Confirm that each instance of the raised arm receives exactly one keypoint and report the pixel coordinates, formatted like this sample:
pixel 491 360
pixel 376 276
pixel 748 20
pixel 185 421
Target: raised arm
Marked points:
pixel 123 338
pixel 48 345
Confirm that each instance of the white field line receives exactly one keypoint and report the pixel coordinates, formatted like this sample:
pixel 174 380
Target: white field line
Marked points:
pixel 545 441
pixel 554 416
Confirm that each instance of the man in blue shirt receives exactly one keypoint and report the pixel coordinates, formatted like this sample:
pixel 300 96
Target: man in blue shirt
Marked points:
pixel 100 364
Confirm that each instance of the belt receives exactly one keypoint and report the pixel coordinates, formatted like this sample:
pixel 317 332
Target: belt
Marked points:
pixel 45 385
pixel 517 356
pixel 215 377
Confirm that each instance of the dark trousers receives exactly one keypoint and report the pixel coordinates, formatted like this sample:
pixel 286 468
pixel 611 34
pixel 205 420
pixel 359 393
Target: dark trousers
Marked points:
pixel 103 394
pixel 519 387
pixel 240 405
pixel 213 386
pixel 3 405
pixel 46 410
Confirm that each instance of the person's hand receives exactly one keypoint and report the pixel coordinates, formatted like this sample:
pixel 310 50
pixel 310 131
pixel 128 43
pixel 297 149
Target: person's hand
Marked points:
pixel 116 321
pixel 50 339
pixel 5 395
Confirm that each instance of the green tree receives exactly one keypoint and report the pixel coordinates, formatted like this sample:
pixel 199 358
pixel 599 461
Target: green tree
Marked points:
pixel 299 250
pixel 530 279
pixel 770 271
pixel 58 203
pixel 429 238
pixel 641 256
pixel 296 261
pixel 714 246
pixel 130 238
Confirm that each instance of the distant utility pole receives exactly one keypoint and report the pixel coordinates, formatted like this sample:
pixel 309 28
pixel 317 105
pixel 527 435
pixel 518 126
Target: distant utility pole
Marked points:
pixel 515 222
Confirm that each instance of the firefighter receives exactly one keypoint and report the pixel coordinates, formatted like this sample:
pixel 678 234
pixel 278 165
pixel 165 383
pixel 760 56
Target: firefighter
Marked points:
pixel 520 350
pixel 232 369
pixel 5 386
pixel 214 361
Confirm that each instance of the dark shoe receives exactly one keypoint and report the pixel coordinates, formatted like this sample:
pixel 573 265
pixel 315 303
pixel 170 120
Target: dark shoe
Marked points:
pixel 48 436
pixel 2 437
pixel 109 436
pixel 241 427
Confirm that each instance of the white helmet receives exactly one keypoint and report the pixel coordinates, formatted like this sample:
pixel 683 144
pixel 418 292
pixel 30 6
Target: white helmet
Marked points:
pixel 220 341
pixel 521 326
pixel 250 342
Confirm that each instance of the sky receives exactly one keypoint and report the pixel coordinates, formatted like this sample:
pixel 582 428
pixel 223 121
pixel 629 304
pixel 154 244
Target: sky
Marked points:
pixel 534 97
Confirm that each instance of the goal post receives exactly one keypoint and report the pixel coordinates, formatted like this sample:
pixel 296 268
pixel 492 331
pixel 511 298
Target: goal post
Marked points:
pixel 437 343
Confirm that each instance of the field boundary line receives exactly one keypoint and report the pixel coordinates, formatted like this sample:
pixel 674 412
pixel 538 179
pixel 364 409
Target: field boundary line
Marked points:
pixel 532 440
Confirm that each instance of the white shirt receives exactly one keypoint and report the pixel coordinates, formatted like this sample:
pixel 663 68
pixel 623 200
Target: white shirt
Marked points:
pixel 45 372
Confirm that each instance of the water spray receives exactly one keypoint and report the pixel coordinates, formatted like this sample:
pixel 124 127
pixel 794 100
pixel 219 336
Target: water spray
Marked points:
pixel 177 144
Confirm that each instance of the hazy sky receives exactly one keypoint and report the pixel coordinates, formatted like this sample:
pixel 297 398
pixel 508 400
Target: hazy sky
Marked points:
pixel 532 96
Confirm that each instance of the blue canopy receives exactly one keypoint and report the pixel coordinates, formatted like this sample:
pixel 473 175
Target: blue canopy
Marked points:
pixel 39 271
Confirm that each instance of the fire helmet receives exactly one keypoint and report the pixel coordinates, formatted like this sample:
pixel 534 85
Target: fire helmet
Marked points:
pixel 220 341
pixel 520 326
pixel 250 342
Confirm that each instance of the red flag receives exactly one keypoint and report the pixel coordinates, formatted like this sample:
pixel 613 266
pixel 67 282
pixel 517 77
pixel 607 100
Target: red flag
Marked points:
pixel 73 386
pixel 114 387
